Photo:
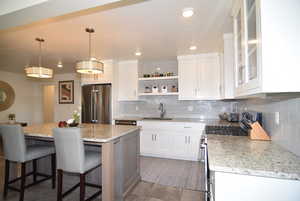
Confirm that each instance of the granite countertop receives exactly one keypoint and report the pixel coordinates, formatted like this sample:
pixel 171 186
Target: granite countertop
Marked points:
pixel 240 155
pixel 90 132
pixel 211 122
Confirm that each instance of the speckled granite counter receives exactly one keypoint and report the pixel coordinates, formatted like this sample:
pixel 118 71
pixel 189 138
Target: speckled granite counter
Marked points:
pixel 211 122
pixel 234 154
pixel 90 132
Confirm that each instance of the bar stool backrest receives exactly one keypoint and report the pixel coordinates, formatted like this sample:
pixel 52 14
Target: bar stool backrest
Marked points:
pixel 13 142
pixel 69 147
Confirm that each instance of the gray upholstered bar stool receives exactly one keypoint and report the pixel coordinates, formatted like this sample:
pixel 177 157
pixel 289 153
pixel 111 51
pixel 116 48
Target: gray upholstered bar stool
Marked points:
pixel 73 158
pixel 16 150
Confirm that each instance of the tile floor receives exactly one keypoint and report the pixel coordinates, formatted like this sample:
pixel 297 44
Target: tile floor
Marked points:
pixel 144 191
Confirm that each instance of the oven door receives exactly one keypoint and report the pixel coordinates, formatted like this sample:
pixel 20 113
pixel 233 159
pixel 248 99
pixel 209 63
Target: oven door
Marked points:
pixel 204 160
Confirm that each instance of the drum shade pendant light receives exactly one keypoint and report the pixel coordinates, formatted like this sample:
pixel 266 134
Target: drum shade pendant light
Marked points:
pixel 90 65
pixel 39 71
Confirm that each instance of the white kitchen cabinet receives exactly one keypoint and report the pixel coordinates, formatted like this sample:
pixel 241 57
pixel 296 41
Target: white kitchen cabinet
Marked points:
pixel 227 69
pixel 148 142
pixel 176 140
pixel 188 80
pixel 128 80
pixel 267 46
pixel 199 77
pixel 104 78
pixel 236 187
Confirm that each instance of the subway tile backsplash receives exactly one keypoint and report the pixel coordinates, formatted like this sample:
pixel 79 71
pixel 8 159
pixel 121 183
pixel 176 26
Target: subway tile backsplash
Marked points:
pixel 148 107
pixel 287 131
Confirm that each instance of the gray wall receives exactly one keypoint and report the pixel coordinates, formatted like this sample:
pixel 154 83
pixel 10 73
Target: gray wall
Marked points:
pixel 287 132
pixel 148 107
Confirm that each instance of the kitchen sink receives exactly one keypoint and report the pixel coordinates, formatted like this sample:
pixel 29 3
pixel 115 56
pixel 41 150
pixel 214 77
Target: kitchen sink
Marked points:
pixel 156 118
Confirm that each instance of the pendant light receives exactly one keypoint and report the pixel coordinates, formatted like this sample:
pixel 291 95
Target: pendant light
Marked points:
pixel 39 71
pixel 90 65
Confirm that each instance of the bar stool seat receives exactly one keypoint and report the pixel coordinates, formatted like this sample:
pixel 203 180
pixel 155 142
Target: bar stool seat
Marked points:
pixel 16 150
pixel 38 151
pixel 73 158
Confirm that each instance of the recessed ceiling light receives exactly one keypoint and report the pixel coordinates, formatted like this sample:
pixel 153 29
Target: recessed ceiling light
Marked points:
pixel 138 54
pixel 193 47
pixel 59 65
pixel 187 12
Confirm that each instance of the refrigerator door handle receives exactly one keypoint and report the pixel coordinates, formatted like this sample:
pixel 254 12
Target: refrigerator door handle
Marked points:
pixel 95 107
pixel 92 117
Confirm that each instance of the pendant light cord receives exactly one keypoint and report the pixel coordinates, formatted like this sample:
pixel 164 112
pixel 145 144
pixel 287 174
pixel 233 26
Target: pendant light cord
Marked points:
pixel 40 54
pixel 90 48
pixel 40 40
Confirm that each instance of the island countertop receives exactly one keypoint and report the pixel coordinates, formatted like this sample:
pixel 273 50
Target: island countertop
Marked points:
pixel 240 155
pixel 90 132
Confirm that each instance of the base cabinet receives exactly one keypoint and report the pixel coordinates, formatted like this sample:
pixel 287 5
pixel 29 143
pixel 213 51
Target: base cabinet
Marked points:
pixel 171 140
pixel 236 187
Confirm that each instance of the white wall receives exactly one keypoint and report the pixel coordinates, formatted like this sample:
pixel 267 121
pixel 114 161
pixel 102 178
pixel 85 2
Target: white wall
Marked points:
pixel 64 112
pixel 287 132
pixel 28 99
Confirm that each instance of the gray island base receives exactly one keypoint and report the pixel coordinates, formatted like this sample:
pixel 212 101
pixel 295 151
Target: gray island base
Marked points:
pixel 120 149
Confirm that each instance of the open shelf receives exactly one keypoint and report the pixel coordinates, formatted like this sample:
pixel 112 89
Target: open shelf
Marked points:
pixel 159 78
pixel 159 94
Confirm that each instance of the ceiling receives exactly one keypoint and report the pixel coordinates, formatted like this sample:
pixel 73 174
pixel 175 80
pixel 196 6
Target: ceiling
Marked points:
pixel 154 27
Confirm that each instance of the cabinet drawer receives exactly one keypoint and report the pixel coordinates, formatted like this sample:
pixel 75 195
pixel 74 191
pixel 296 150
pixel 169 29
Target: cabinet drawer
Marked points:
pixel 171 126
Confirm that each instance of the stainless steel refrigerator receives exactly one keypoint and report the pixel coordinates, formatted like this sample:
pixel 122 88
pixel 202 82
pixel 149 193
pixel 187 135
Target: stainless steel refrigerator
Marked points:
pixel 96 104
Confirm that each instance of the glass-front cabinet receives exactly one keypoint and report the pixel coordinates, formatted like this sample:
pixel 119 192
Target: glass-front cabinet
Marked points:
pixel 246 29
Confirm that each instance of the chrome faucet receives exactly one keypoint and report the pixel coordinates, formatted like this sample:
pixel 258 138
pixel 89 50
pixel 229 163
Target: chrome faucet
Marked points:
pixel 162 110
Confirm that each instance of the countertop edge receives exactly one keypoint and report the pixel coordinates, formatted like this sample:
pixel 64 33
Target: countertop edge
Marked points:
pixel 257 173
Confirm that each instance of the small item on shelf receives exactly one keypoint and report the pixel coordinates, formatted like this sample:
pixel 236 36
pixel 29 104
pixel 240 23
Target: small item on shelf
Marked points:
pixel 154 89
pixel 174 89
pixel 146 75
pixel 147 90
pixel 169 74
pixel 161 75
pixel 164 89
pixel 156 74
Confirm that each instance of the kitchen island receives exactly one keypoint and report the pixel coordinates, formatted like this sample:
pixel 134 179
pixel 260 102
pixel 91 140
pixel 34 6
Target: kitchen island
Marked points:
pixel 120 151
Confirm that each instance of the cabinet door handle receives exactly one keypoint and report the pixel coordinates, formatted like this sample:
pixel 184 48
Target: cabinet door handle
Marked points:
pixel 185 139
pixel 155 137
pixel 152 137
pixel 189 139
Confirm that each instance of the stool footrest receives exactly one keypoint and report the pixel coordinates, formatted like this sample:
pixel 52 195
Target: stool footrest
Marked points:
pixel 19 178
pixel 71 190
pixel 94 195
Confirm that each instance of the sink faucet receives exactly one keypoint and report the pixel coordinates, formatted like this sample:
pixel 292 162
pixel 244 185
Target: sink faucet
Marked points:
pixel 162 110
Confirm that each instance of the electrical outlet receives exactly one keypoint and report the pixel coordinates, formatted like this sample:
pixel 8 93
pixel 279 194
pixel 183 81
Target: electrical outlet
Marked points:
pixel 190 108
pixel 277 118
pixel 136 108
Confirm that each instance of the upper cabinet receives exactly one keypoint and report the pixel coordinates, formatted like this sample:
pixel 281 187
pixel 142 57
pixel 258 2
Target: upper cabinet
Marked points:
pixel 199 77
pixel 267 46
pixel 227 69
pixel 128 80
pixel 104 78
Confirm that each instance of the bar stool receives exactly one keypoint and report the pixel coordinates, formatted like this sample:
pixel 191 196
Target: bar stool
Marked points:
pixel 73 158
pixel 16 150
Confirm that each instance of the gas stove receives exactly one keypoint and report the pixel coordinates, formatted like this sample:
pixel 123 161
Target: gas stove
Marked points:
pixel 225 130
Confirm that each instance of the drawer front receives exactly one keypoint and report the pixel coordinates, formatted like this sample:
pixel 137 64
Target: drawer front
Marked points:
pixel 171 126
